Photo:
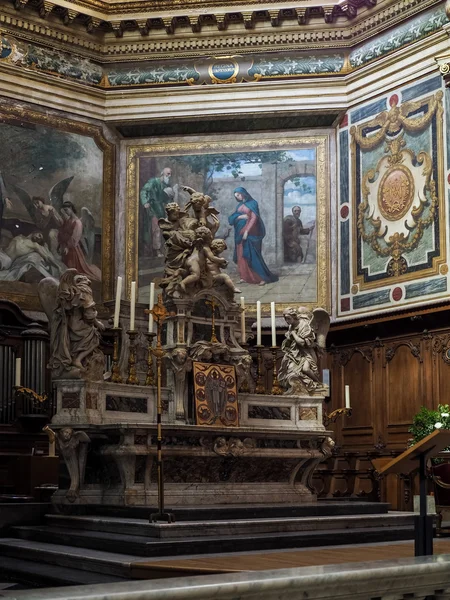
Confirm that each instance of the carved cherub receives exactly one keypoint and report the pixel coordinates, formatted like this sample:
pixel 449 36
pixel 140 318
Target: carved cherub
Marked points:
pixel 305 339
pixel 196 264
pixel 200 204
pixel 75 328
pixel 74 447
pixel 217 247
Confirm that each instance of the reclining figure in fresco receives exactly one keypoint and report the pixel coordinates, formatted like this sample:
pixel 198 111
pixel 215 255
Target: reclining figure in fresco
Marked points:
pixel 74 327
pixel 192 254
pixel 304 343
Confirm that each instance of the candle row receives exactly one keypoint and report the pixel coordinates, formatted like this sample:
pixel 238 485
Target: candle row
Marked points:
pixel 258 322
pixel 133 304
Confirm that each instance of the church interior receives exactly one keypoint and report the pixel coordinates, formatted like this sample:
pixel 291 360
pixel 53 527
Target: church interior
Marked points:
pixel 224 303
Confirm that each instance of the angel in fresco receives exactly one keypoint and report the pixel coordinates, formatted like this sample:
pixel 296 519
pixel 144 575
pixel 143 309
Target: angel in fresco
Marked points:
pixel 70 234
pixel 249 232
pixel 305 339
pixel 45 213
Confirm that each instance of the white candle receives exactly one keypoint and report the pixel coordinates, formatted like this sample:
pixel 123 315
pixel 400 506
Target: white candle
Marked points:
pixel 117 306
pixel 242 320
pixel 132 304
pixel 347 396
pixel 150 307
pixel 272 322
pixel 18 371
pixel 258 323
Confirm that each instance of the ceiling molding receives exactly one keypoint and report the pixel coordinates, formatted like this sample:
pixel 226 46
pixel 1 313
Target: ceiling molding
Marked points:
pixel 248 29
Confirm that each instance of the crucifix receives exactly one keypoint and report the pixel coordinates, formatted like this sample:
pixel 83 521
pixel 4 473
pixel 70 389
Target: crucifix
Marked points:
pixel 212 303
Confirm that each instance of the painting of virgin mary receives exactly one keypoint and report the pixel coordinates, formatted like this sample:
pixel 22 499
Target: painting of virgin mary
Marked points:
pixel 249 232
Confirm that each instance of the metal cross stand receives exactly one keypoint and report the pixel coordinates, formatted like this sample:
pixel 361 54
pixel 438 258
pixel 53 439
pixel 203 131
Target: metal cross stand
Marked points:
pixel 159 313
pixel 212 303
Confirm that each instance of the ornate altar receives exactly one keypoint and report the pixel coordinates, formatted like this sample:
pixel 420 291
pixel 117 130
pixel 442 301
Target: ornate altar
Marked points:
pixel 221 436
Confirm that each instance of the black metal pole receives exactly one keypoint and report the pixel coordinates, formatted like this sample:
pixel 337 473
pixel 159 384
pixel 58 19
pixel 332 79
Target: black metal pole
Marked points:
pixel 423 522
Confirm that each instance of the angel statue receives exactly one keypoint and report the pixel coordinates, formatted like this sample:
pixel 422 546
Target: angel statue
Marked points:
pixel 304 343
pixel 74 327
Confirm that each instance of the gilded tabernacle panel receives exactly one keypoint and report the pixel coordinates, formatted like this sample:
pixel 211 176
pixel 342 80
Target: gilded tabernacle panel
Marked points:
pixel 393 231
pixel 56 203
pixel 273 195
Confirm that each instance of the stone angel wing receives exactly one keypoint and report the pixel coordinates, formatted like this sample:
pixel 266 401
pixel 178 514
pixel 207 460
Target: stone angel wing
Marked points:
pixel 47 292
pixel 56 193
pixel 320 324
pixel 88 237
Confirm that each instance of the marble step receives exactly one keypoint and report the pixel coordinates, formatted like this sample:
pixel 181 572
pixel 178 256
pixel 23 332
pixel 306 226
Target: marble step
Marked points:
pixel 188 529
pixel 218 513
pixel 141 546
pixel 37 573
pixel 96 561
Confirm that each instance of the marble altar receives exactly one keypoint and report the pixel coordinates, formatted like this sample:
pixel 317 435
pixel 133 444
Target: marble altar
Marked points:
pixel 252 447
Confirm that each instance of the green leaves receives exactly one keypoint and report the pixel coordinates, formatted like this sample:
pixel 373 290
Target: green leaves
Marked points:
pixel 427 420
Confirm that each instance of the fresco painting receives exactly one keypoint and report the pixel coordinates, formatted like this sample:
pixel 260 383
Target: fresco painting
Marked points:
pixel 268 212
pixel 51 188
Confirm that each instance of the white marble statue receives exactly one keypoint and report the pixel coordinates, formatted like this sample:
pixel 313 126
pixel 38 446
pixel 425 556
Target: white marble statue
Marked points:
pixel 299 371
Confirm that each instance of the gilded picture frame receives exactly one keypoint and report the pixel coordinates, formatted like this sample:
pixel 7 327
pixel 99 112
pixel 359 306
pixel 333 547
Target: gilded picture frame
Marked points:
pixel 103 225
pixel 277 172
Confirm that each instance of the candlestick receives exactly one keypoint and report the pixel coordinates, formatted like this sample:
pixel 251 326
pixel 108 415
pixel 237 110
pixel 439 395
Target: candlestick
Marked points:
pixel 18 371
pixel 273 324
pixel 115 370
pixel 277 390
pixel 150 379
pixel 258 323
pixel 132 377
pixel 242 320
pixel 260 387
pixel 347 396
pixel 160 313
pixel 150 306
pixel 132 305
pixel 117 306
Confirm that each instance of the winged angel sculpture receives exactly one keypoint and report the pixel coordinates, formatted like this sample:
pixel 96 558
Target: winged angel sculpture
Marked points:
pixel 305 340
pixel 62 240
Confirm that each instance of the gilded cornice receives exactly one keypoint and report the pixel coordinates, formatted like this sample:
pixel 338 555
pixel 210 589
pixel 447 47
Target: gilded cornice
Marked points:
pixel 109 35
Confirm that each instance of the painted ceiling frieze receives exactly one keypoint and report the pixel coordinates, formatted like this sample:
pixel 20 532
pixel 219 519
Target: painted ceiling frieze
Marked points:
pixel 231 69
pixel 415 29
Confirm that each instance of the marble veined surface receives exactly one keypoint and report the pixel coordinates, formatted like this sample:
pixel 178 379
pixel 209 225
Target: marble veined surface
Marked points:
pixel 418 577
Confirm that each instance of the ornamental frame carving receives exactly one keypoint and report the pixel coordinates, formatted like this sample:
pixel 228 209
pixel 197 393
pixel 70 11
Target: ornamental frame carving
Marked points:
pixel 23 114
pixel 170 147
pixel 388 122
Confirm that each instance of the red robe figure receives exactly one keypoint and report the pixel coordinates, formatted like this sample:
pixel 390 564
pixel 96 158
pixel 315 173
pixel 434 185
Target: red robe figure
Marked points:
pixel 69 238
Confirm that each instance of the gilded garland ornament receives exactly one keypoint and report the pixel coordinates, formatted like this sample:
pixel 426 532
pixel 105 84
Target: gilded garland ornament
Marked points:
pixel 399 199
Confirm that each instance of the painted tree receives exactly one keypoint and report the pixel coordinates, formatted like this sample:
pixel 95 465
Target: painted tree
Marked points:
pixel 208 164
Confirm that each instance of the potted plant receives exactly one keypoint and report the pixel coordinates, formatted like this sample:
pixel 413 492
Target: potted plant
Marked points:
pixel 425 422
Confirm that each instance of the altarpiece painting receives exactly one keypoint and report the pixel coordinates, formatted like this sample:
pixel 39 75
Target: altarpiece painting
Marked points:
pixel 56 203
pixel 273 197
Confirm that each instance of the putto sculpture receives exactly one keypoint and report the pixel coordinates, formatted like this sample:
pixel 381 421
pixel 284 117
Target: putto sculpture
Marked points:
pixel 193 260
pixel 75 328
pixel 305 340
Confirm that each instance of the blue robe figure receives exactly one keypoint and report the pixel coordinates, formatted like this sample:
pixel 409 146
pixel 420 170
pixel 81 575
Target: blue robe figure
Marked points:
pixel 249 232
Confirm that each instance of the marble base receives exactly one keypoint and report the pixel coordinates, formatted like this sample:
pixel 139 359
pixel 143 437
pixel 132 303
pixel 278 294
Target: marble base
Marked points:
pixel 282 412
pixel 95 402
pixel 202 465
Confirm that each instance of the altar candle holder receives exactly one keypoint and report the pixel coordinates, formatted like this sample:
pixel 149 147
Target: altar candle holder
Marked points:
pixel 333 416
pixel 260 387
pixel 115 369
pixel 277 390
pixel 245 388
pixel 150 379
pixel 132 376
